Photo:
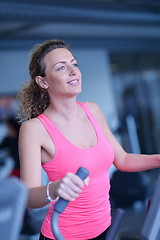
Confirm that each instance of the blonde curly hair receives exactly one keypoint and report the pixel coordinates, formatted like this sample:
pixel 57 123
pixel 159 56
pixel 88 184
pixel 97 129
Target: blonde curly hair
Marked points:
pixel 32 99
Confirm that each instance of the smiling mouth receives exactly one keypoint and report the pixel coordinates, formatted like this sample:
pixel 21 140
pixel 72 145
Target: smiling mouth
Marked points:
pixel 73 81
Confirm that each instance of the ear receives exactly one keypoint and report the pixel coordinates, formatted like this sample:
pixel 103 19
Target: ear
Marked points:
pixel 41 82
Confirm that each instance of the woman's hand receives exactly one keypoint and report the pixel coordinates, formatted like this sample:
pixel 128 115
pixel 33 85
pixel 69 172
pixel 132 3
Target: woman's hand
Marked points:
pixel 70 186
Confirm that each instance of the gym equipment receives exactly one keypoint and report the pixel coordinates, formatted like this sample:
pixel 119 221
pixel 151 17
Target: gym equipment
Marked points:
pixel 61 205
pixel 150 229
pixel 151 226
pixel 13 197
pixel 116 220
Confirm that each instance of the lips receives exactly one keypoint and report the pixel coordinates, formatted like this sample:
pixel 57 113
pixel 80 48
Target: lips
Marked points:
pixel 74 81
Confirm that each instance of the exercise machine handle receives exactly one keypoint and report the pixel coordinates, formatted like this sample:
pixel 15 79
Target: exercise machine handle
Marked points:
pixel 116 220
pixel 61 204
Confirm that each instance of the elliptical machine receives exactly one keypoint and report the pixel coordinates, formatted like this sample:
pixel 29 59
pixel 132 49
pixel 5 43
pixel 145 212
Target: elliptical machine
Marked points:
pixel 13 197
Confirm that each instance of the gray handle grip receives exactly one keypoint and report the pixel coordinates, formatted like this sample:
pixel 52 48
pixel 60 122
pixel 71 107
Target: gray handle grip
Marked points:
pixel 62 203
pixel 116 220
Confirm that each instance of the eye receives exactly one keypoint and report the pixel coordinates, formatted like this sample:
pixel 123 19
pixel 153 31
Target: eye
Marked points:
pixel 75 65
pixel 61 68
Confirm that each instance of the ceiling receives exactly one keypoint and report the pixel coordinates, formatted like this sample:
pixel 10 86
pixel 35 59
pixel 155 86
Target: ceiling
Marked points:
pixel 118 25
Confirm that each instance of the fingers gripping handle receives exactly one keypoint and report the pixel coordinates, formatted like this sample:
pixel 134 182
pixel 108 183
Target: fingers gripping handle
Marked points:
pixel 62 203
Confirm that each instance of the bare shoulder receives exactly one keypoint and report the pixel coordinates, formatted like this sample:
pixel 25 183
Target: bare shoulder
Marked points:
pixel 96 111
pixel 31 128
pixel 99 116
pixel 31 125
pixel 92 106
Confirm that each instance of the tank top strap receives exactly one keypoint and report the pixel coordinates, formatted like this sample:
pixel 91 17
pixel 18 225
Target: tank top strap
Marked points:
pixel 47 122
pixel 56 135
pixel 52 130
pixel 89 114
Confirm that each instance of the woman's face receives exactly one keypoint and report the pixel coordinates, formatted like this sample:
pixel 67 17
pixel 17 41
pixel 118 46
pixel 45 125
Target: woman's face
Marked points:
pixel 62 75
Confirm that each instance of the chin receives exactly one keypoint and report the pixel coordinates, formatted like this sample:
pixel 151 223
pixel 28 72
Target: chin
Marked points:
pixel 79 92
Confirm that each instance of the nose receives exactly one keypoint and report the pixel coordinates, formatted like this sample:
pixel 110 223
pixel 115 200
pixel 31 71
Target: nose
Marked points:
pixel 72 70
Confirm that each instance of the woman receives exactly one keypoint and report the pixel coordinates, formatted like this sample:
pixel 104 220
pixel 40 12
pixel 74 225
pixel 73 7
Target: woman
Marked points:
pixel 61 135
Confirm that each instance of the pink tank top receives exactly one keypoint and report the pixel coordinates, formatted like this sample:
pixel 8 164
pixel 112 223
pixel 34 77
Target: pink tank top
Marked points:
pixel 89 215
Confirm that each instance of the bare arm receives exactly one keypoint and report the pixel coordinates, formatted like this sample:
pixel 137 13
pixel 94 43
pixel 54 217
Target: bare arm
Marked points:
pixel 124 161
pixel 30 164
pixel 31 139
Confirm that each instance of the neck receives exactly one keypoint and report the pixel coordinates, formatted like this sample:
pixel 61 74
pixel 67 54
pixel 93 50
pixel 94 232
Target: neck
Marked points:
pixel 63 109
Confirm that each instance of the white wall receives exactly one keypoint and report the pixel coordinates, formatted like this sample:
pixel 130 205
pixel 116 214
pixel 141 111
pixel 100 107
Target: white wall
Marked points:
pixel 13 70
